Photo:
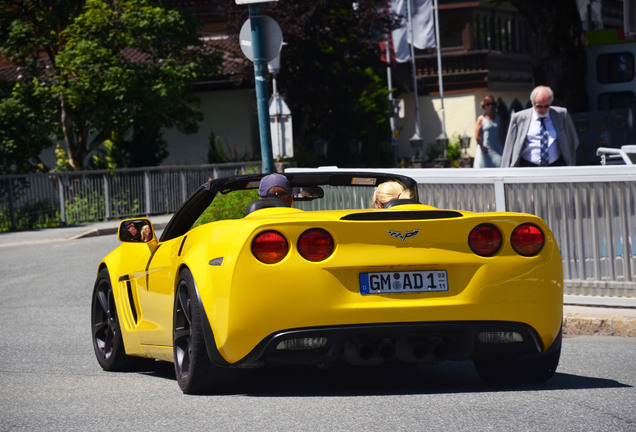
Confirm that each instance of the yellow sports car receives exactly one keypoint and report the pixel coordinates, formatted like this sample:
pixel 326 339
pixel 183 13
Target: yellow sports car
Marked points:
pixel 239 279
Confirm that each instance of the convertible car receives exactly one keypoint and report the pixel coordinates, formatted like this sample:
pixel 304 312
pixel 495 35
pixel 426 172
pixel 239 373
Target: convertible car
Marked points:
pixel 329 280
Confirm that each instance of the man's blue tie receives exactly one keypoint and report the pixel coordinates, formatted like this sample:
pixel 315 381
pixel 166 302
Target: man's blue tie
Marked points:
pixel 543 132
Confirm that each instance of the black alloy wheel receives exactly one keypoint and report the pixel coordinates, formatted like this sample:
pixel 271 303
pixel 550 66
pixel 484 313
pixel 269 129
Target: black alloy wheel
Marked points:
pixel 194 371
pixel 107 340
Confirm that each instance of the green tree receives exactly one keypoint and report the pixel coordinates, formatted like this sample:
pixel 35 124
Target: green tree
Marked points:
pixel 556 48
pixel 332 77
pixel 27 117
pixel 119 71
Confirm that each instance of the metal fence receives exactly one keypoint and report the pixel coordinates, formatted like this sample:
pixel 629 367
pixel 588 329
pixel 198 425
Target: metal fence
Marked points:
pixel 55 199
pixel 590 209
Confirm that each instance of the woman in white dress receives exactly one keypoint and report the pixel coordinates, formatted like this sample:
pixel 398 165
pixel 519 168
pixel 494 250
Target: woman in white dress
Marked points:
pixel 488 136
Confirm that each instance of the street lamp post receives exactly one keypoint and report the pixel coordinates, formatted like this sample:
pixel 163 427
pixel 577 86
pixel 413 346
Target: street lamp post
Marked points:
pixel 464 142
pixel 442 142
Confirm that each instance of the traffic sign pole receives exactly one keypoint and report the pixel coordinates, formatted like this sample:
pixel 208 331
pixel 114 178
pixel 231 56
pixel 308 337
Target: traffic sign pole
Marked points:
pixel 260 79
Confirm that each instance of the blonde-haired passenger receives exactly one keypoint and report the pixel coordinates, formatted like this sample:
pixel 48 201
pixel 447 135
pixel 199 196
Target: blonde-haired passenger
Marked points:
pixel 146 233
pixel 389 191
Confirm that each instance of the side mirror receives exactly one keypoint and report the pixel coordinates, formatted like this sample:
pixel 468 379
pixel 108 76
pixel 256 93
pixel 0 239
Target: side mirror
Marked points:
pixel 136 231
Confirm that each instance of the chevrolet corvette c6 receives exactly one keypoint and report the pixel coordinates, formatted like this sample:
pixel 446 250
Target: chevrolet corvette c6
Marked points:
pixel 329 280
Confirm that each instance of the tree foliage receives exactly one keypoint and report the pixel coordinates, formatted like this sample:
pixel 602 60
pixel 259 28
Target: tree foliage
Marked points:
pixel 556 48
pixel 332 77
pixel 26 125
pixel 120 71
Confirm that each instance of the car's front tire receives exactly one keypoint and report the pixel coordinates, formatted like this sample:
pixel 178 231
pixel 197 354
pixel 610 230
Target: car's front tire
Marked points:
pixel 505 370
pixel 106 332
pixel 194 371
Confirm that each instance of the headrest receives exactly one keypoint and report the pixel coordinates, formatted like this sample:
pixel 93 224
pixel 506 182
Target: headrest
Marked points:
pixel 265 203
pixel 397 202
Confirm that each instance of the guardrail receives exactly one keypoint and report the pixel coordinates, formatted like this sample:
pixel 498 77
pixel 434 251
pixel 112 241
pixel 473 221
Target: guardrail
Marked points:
pixel 55 199
pixel 624 155
pixel 591 211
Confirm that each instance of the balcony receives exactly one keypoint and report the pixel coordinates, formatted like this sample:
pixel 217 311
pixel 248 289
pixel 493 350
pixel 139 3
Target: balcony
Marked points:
pixel 483 49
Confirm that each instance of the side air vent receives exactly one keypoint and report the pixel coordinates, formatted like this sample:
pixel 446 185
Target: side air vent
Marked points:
pixel 402 215
pixel 131 301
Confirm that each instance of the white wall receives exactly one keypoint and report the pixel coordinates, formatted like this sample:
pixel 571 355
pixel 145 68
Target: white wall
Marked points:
pixel 460 114
pixel 231 114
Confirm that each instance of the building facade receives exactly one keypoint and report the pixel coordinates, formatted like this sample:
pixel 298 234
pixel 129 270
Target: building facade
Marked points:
pixel 483 51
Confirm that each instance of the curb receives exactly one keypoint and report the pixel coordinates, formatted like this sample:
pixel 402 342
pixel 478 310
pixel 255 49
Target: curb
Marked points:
pixel 95 233
pixel 598 325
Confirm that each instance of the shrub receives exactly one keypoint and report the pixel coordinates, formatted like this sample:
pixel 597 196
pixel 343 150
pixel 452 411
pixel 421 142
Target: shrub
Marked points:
pixel 227 206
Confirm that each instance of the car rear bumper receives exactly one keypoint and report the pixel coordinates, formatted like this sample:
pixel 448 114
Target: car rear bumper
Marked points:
pixel 374 344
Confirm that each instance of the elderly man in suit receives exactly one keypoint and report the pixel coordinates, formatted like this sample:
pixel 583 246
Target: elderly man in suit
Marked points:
pixel 543 135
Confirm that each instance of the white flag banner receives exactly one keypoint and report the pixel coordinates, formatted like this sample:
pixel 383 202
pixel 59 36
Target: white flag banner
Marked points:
pixel 423 24
pixel 400 43
pixel 423 27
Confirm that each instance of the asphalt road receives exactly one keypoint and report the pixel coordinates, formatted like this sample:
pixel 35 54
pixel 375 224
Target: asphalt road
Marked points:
pixel 50 380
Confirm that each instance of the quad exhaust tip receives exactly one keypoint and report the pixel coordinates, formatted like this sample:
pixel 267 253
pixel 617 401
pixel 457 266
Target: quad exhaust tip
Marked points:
pixel 371 353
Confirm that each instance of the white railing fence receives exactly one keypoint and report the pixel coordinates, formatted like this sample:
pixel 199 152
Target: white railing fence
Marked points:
pixel 53 199
pixel 591 211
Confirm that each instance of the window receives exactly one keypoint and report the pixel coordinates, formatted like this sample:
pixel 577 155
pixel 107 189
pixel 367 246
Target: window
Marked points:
pixel 615 67
pixel 616 100
pixel 450 29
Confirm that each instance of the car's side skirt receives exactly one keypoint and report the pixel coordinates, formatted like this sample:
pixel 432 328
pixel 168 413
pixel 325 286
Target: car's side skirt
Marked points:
pixel 163 353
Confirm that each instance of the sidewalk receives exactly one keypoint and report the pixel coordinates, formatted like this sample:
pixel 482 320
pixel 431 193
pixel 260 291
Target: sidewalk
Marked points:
pixel 72 232
pixel 577 320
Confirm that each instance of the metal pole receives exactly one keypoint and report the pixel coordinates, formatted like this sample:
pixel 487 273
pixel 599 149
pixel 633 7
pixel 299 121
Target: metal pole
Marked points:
pixel 62 199
pixel 147 195
pixel 439 66
pixel 409 26
pixel 394 145
pixel 107 207
pixel 11 210
pixel 260 79
pixel 184 186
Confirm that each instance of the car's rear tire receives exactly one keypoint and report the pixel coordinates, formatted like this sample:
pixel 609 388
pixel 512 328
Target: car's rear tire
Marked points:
pixel 194 371
pixel 505 370
pixel 106 332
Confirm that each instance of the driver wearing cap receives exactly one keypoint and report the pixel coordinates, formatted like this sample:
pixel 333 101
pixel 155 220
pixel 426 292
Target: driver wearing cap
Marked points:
pixel 276 186
pixel 131 232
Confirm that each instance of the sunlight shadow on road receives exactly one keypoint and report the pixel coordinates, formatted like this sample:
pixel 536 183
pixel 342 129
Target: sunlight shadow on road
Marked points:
pixel 449 377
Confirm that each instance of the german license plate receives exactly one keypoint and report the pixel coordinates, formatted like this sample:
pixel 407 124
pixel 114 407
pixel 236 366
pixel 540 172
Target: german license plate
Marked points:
pixel 403 282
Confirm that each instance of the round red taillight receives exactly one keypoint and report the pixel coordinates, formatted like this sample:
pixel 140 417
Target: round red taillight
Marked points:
pixel 315 244
pixel 270 247
pixel 527 239
pixel 485 239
